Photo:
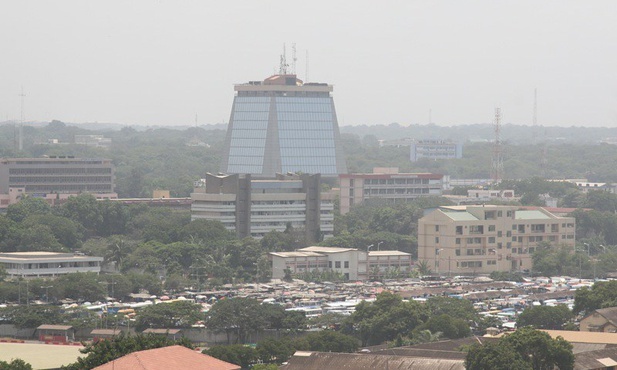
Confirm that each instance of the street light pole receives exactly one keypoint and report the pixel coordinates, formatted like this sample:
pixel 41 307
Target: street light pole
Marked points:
pixel 378 245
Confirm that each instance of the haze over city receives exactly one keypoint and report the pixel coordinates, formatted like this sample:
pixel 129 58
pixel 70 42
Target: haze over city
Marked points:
pixel 166 62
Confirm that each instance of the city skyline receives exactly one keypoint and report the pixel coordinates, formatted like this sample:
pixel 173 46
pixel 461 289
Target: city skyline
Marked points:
pixel 168 63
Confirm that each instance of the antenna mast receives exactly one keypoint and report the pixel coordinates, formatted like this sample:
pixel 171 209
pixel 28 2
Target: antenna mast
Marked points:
pixel 20 140
pixel 497 159
pixel 293 58
pixel 283 66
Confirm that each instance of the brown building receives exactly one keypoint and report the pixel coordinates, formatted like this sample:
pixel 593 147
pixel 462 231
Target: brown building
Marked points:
pixel 602 320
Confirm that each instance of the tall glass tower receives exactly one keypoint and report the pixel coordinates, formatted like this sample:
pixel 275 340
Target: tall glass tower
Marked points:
pixel 283 125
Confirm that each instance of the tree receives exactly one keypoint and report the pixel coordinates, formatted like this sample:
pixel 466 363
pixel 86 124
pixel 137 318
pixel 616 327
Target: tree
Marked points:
pixel 545 317
pixel 67 232
pixel 601 295
pixel 239 316
pixel 169 315
pixel 16 364
pixel 82 286
pixel 234 353
pixel 275 350
pixel 526 348
pixel 104 351
pixel 384 319
pixel 327 341
pixel 39 238
pixel 84 209
pixel 27 207
pixel 450 327
pixel 494 356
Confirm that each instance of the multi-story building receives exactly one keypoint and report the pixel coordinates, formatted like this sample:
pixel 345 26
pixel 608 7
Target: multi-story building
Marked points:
pixel 97 141
pixel 483 239
pixel 48 264
pixel 283 125
pixel 352 263
pixel 435 149
pixel 254 207
pixel 387 184
pixel 57 175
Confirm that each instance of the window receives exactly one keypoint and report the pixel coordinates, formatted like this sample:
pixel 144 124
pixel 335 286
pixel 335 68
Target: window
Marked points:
pixel 436 240
pixel 491 240
pixel 459 230
pixel 520 239
pixel 491 227
pixel 346 264
pixel 509 214
pixel 554 228
pixel 458 252
pixel 509 234
pixel 337 264
pixel 499 245
pixel 458 240
pixel 499 214
pixel 437 228
pixel 330 264
pixel 491 262
pixel 476 229
pixel 514 227
pixel 499 234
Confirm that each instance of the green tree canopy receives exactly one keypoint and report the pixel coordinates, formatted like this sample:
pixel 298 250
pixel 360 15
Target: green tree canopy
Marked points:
pixel 169 315
pixel 545 317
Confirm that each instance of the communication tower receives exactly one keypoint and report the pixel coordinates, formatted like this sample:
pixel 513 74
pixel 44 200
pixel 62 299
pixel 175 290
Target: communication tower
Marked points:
pixel 497 158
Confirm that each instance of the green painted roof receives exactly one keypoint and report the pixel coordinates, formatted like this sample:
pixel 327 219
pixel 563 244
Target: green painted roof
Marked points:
pixel 461 216
pixel 530 215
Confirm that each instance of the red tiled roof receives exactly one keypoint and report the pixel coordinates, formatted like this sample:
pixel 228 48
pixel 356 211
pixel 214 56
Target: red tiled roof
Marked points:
pixel 167 358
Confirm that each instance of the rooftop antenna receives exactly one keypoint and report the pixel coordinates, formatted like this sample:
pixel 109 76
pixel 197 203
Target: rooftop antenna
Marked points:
pixel 293 58
pixel 283 65
pixel 497 158
pixel 306 71
pixel 20 140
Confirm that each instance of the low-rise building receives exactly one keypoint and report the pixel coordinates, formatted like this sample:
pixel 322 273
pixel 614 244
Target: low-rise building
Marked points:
pixel 388 185
pixel 354 264
pixel 601 320
pixel 435 149
pixel 482 239
pixel 48 264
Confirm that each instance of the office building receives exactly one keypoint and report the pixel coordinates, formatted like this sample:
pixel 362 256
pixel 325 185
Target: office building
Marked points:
pixel 57 175
pixel 48 264
pixel 254 207
pixel 482 239
pixel 352 263
pixel 435 149
pixel 387 184
pixel 283 125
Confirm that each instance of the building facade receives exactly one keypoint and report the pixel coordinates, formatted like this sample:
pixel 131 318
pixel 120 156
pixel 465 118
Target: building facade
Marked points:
pixel 48 264
pixel 387 184
pixel 352 263
pixel 283 125
pixel 59 175
pixel 435 149
pixel 482 239
pixel 252 207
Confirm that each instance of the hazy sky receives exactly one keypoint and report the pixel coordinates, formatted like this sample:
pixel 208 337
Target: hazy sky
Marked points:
pixel 162 62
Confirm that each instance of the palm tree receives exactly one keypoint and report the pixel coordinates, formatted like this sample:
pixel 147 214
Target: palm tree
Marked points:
pixel 423 268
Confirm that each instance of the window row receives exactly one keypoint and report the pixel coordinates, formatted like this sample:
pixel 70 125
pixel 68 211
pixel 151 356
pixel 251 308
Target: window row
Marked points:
pixel 305 116
pixel 306 143
pixel 255 143
pixel 305 125
pixel 309 161
pixel 310 151
pixel 248 161
pixel 58 171
pixel 250 116
pixel 251 107
pixel 248 134
pixel 244 151
pixel 306 134
pixel 397 191
pixel 395 181
pixel 64 179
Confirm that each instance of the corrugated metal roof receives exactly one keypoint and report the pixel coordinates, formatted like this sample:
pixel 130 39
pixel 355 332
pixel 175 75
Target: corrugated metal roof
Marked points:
pixel 338 361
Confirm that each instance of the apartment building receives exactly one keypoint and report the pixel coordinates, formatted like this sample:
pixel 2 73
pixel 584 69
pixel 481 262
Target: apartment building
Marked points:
pixel 387 184
pixel 482 239
pixel 252 207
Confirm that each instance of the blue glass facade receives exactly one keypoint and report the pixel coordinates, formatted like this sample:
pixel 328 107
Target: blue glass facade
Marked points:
pixel 278 132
